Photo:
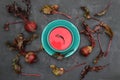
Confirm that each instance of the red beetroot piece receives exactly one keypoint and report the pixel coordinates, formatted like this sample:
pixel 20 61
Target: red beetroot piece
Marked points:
pixel 30 57
pixel 85 51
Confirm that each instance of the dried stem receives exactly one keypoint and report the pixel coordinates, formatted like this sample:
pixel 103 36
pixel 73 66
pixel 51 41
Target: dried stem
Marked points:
pixel 93 18
pixel 74 67
pixel 9 23
pixel 92 40
pixel 88 32
pixel 108 49
pixel 6 26
pixel 61 13
pixel 85 71
pixel 99 42
pixel 98 68
pixel 75 61
pixel 36 75
pixel 101 53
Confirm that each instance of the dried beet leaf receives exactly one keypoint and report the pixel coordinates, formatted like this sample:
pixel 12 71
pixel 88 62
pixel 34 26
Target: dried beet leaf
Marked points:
pixel 47 9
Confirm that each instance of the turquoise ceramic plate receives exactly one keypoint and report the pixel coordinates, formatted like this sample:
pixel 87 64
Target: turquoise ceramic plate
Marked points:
pixel 75 33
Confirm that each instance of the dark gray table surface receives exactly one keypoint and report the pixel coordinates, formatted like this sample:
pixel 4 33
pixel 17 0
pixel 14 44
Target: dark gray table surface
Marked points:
pixel 71 7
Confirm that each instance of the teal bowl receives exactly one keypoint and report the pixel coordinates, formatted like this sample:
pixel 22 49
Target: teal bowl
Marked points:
pixel 75 37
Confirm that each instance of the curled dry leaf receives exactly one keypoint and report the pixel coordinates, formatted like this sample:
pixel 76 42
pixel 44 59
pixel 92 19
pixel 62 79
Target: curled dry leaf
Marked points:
pixel 46 9
pixel 56 70
pixel 108 30
pixel 86 12
pixel 58 56
pixel 17 44
pixel 104 11
pixel 20 42
pixel 16 64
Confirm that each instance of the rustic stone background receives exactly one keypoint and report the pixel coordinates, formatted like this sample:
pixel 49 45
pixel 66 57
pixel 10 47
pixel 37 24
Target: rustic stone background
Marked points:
pixel 71 7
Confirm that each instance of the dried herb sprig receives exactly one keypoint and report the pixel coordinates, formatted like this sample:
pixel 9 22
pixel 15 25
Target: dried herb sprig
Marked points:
pixel 20 42
pixel 86 50
pixel 89 68
pixel 110 34
pixel 17 11
pixel 57 71
pixel 18 68
pixel 53 9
